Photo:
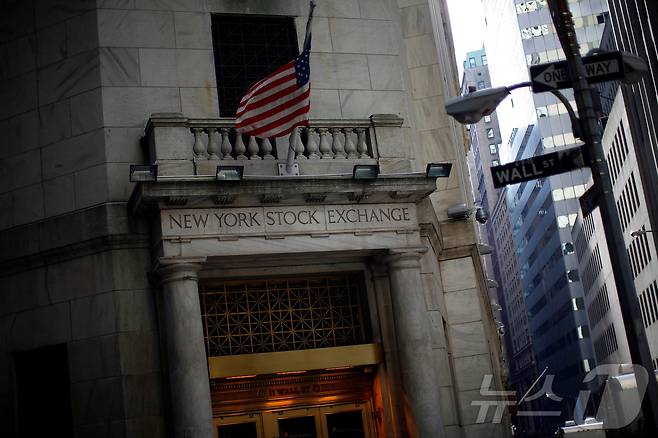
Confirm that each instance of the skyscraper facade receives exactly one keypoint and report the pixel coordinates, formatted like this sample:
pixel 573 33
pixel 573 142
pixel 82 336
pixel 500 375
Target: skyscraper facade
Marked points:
pixel 635 30
pixel 624 144
pixel 544 211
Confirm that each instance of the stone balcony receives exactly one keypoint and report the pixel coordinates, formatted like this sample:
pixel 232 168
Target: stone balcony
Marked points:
pixel 182 147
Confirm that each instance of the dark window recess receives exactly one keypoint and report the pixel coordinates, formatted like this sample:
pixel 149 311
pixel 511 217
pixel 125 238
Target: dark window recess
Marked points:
pixel 43 392
pixel 242 430
pixel 248 48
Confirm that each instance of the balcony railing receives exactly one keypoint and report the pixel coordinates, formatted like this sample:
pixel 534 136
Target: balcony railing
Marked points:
pixel 182 147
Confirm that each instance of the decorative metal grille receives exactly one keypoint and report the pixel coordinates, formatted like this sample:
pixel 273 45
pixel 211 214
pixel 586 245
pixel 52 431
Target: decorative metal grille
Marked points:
pixel 248 48
pixel 243 317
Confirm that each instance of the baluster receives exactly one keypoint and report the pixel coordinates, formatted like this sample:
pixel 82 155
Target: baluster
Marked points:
pixel 227 148
pixel 199 148
pixel 299 145
pixel 325 147
pixel 336 145
pixel 350 147
pixel 213 146
pixel 361 146
pixel 266 147
pixel 311 144
pixel 252 148
pixel 240 149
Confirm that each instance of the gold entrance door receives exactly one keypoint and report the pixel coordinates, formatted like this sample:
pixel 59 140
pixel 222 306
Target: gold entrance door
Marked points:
pixel 335 421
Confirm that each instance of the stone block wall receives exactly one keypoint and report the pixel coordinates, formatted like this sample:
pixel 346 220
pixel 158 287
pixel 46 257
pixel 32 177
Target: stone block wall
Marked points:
pixel 89 291
pixel 51 154
pixel 472 345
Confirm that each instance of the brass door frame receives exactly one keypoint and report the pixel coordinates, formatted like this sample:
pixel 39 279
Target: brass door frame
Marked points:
pixel 267 421
pixel 320 413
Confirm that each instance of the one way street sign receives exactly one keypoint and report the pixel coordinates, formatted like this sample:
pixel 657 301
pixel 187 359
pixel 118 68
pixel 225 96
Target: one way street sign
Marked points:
pixel 539 167
pixel 600 68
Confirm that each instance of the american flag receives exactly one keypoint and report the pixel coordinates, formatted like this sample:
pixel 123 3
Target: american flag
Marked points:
pixel 280 102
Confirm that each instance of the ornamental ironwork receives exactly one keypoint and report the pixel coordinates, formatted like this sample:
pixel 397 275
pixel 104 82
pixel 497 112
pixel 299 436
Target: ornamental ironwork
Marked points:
pixel 282 314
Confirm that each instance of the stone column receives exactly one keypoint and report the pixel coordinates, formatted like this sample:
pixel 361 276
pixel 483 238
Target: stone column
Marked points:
pixel 416 361
pixel 187 365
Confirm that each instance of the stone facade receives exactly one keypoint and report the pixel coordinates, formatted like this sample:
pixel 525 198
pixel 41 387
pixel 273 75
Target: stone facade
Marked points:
pixel 81 266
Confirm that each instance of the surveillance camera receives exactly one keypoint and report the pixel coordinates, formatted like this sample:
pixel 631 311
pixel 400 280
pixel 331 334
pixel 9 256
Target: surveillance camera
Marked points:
pixel 458 212
pixel 481 215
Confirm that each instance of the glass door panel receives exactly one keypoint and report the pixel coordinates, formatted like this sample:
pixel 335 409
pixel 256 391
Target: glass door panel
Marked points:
pixel 242 430
pixel 239 426
pixel 347 421
pixel 348 424
pixel 293 423
pixel 297 427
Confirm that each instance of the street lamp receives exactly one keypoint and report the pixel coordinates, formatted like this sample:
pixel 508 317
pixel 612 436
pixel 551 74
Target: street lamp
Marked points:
pixel 473 106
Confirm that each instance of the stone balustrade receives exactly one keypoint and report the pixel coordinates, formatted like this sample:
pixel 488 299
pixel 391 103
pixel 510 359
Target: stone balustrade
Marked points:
pixel 323 139
pixel 182 146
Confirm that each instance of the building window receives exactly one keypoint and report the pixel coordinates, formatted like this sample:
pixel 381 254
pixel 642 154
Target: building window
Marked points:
pixel 495 163
pixel 572 276
pixel 481 85
pixel 490 133
pixel 493 148
pixel 247 48
pixel 587 365
pixel 487 119
pixel 566 220
pixel 484 59
pixel 568 248
pixel 43 396
pixel 471 62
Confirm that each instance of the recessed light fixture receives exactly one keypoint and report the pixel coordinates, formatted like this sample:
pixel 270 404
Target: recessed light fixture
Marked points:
pixel 143 172
pixel 365 171
pixel 229 173
pixel 438 170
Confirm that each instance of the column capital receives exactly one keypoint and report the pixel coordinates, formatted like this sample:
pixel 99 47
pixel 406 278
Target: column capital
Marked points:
pixel 170 269
pixel 402 258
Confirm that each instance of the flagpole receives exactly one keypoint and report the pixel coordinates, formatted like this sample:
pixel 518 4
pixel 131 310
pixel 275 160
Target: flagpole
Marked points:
pixel 294 135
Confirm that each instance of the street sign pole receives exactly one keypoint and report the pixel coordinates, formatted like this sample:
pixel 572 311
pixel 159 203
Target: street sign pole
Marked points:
pixel 591 135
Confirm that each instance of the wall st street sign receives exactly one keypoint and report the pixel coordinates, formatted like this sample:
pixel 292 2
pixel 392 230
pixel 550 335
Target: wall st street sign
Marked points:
pixel 539 167
pixel 600 68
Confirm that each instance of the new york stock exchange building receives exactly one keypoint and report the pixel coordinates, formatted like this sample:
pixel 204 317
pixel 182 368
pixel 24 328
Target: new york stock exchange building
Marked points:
pixel 164 276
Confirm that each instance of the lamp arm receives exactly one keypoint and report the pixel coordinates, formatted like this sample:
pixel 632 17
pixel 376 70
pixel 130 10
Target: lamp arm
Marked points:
pixel 575 122
pixel 519 85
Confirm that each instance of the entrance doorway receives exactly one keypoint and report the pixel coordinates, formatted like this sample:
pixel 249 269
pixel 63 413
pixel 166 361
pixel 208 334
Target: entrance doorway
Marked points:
pixel 290 357
pixel 350 420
